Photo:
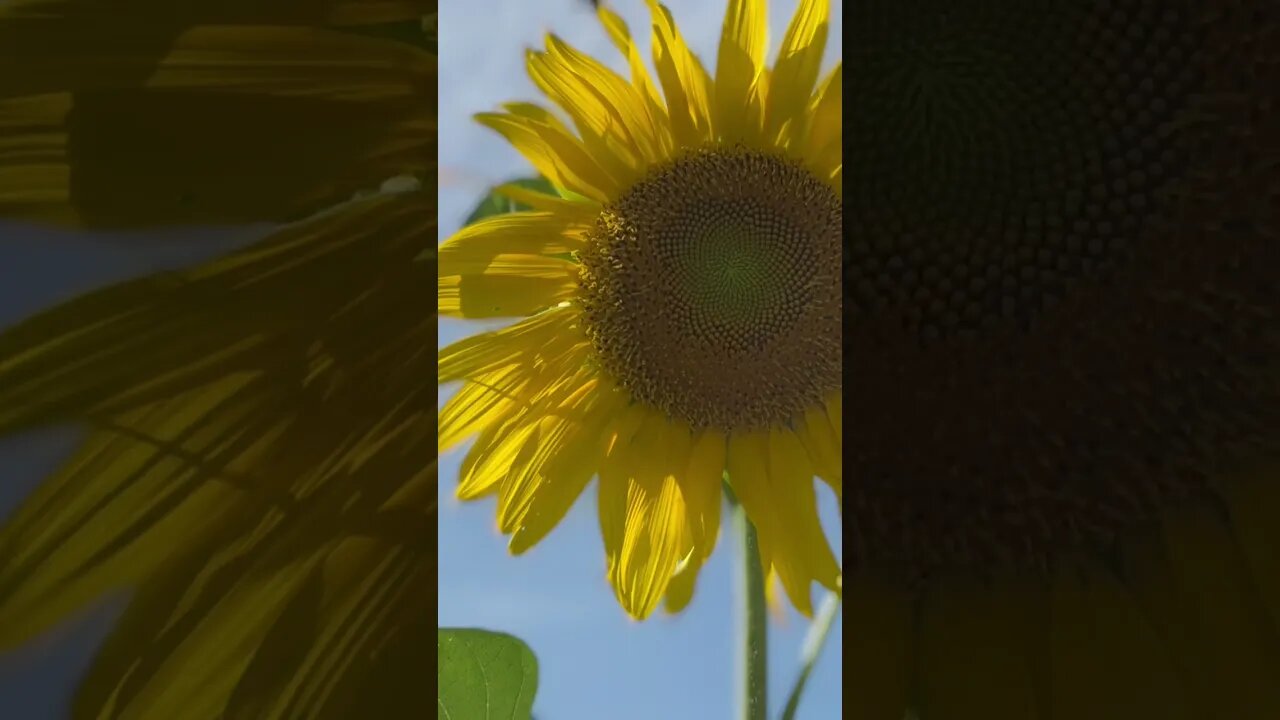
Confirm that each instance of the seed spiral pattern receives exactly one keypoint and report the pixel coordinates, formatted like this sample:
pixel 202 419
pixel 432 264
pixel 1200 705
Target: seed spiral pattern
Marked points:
pixel 711 289
pixel 1060 270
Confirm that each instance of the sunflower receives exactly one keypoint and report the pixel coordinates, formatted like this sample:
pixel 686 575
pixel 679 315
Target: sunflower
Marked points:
pixel 1062 298
pixel 679 303
pixel 257 468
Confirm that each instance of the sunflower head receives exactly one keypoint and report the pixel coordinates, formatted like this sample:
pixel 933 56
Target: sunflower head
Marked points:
pixel 681 298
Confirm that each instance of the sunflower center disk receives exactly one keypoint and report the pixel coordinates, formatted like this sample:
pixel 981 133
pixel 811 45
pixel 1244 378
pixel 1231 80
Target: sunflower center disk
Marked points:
pixel 1061 273
pixel 712 289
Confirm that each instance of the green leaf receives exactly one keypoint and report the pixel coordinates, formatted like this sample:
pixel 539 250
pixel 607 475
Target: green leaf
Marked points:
pixel 497 204
pixel 485 675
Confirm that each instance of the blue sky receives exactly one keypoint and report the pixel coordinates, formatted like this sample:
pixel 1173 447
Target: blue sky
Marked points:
pixel 594 662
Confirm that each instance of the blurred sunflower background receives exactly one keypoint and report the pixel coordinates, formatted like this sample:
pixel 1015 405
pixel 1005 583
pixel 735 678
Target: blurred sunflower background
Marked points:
pixel 1061 286
pixel 555 596
pixel 202 207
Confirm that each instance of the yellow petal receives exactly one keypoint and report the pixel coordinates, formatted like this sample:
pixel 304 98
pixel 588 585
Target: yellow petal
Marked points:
pixel 371 590
pixel 121 509
pixel 473 480
pixel 823 445
pixel 773 479
pixel 138 626
pixel 394 683
pixel 275 61
pixel 1196 589
pixel 569 453
pixel 739 66
pixel 472 264
pixel 1106 662
pixel 534 233
pixel 611 508
pixel 821 436
pixel 701 484
pixel 981 650
pixel 537 113
pixel 507 407
pixel 878 653
pixel 491 458
pixel 570 212
pixel 821 146
pixel 791 472
pixel 657 113
pixel 149 338
pixel 606 158
pixel 700 488
pixel 797 67
pixel 641 504
pixel 747 463
pixel 601 103
pixel 503 285
pixel 200 674
pixel 1253 501
pixel 222 128
pixel 489 401
pixel 599 125
pixel 543 337
pixel 613 474
pixel 835 413
pixel 273 645
pixel 683 583
pixel 555 154
pixel 35 178
pixel 260 621
pixel 216 503
pixel 684 81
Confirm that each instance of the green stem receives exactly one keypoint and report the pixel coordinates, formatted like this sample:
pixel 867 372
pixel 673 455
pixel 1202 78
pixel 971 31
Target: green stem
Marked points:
pixel 753 647
pixel 813 642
